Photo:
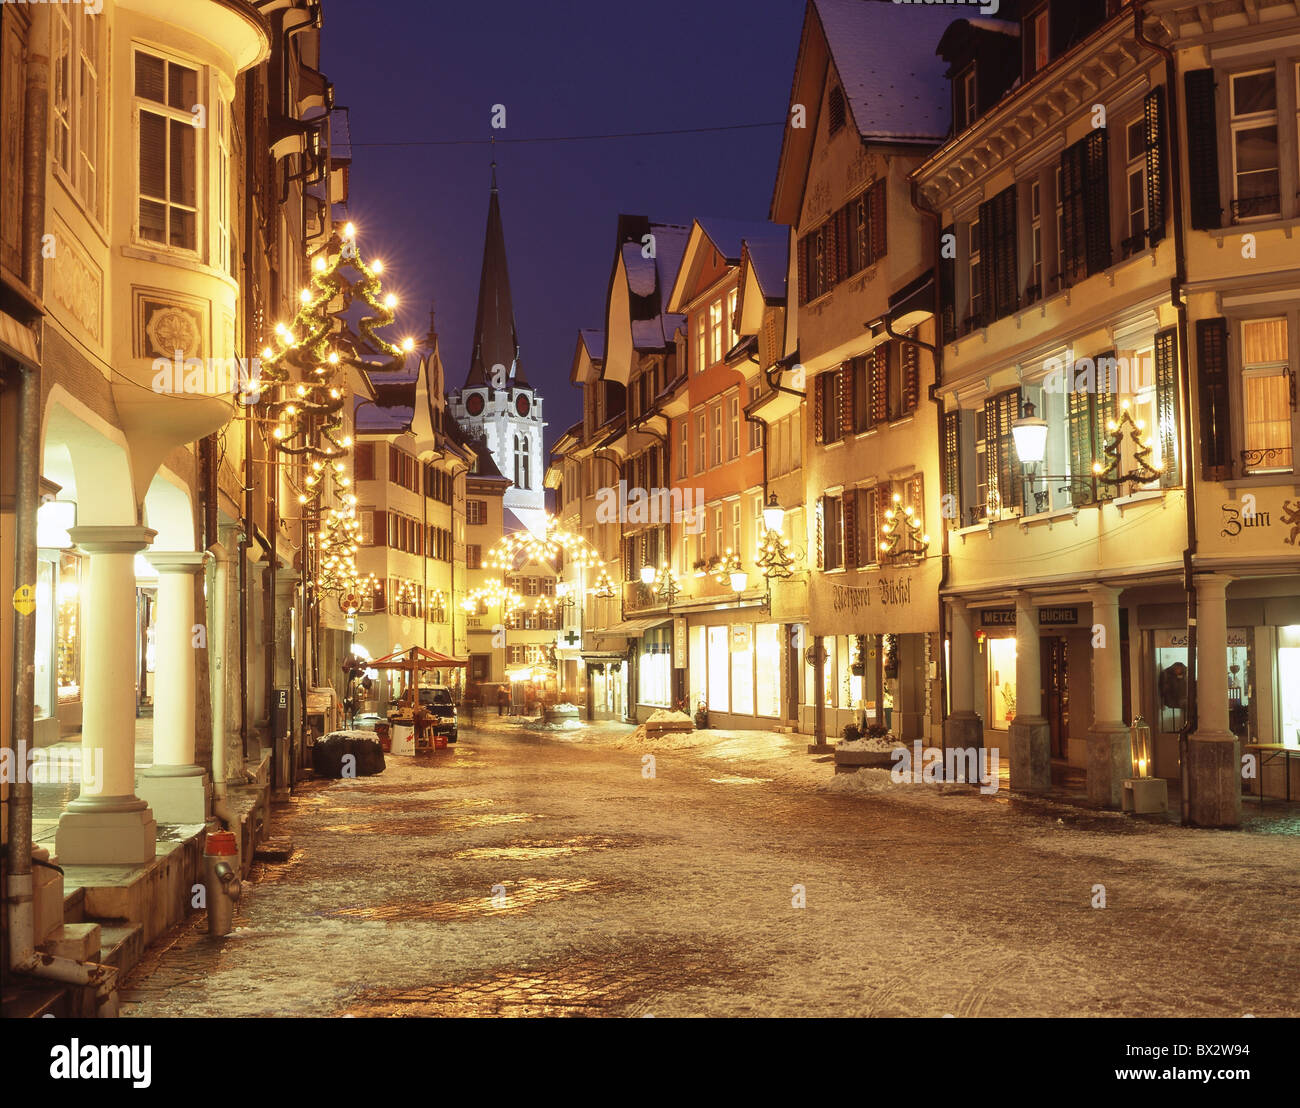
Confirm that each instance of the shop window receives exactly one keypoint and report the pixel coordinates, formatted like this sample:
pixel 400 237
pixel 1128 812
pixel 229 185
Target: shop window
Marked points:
pixel 655 668
pixel 719 669
pixel 767 656
pixel 1002 682
pixel 742 669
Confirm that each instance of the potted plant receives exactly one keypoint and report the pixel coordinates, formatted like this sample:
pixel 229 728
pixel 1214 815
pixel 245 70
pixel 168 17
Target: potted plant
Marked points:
pixel 851 733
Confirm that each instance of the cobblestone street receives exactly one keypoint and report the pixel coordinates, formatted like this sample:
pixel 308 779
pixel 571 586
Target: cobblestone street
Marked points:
pixel 527 874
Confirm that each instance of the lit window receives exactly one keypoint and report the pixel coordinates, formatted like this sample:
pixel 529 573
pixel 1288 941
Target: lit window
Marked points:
pixel 1266 397
pixel 1136 142
pixel 715 332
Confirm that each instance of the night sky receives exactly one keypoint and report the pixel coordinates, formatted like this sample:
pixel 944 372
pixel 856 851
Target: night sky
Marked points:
pixel 414 70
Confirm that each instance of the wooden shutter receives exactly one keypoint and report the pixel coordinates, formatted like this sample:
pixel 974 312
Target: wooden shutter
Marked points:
pixel 846 399
pixel 1202 150
pixel 1096 201
pixel 1166 428
pixel 364 466
pixel 948 286
pixel 821 532
pixel 842 243
pixel 1154 132
pixel 1005 277
pixel 801 257
pixel 1006 410
pixel 1078 419
pixel 911 356
pixel 950 447
pixel 381 527
pixel 879 231
pixel 1073 257
pixel 880 384
pixel 1103 412
pixel 1212 378
pixel 988 250
pixel 850 512
pixel 819 409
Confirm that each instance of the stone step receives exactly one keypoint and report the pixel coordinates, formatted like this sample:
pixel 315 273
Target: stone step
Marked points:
pixel 122 945
pixel 77 941
pixel 34 999
pixel 74 903
pixel 275 850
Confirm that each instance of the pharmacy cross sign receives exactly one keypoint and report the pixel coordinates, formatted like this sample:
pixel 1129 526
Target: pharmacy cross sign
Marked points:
pixel 571 639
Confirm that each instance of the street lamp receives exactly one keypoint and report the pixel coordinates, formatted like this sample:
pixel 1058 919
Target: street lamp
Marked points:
pixel 647 575
pixel 773 514
pixel 739 582
pixel 1030 435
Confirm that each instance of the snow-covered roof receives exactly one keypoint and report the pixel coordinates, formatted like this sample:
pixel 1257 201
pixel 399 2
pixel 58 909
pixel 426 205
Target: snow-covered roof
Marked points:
pixel 594 340
pixel 885 56
pixel 640 269
pixel 728 235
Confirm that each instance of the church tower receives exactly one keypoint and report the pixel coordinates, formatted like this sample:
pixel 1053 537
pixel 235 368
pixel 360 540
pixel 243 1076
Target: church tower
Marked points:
pixel 496 403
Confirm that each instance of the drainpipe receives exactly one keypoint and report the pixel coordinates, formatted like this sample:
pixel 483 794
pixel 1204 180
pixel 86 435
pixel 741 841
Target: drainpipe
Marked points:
pixel 20 922
pixel 936 352
pixel 1185 388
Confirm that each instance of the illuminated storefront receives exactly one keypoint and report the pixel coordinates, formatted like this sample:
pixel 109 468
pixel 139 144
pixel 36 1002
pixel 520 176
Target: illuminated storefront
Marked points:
pixel 58 624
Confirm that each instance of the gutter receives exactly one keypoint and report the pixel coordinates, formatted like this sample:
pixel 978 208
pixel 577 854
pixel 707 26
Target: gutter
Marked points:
pixel 936 352
pixel 1176 286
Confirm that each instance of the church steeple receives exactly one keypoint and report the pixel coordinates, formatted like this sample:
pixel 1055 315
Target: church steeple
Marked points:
pixel 495 340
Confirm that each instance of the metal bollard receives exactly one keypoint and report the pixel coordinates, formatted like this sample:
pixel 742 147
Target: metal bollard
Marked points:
pixel 221 878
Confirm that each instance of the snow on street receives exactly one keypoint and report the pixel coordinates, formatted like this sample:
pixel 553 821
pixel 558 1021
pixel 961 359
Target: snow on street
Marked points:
pixel 529 873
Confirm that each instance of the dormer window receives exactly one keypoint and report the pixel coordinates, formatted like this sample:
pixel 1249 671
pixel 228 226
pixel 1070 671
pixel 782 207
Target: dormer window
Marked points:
pixel 965 106
pixel 1037 44
pixel 836 109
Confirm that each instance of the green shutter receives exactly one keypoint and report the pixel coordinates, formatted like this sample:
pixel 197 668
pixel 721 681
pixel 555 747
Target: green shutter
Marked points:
pixel 1154 117
pixel 952 467
pixel 1166 428
pixel 1078 421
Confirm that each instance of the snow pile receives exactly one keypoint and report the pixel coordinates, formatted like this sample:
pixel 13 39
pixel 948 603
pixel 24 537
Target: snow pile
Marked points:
pixel 875 746
pixel 864 781
pixel 662 715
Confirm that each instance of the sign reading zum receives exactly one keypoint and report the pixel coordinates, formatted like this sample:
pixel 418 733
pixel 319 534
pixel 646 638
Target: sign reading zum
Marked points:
pixel 1047 617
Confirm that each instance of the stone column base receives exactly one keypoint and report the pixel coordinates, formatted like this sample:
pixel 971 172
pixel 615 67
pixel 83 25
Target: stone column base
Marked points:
pixel 108 831
pixel 1110 763
pixel 177 794
pixel 1031 754
pixel 963 731
pixel 1213 775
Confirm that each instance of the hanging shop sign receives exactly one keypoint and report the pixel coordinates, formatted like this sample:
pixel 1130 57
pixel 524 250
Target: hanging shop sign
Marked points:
pixel 897 601
pixel 740 637
pixel 1047 617
pixel 680 641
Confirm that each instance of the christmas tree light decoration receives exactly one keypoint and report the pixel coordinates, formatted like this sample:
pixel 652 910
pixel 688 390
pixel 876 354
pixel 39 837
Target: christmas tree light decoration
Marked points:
pixel 904 537
pixel 1142 470
pixel 603 589
pixel 724 566
pixel 775 555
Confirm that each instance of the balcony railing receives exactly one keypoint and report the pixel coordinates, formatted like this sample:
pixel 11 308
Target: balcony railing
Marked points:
pixel 1256 207
pixel 1273 459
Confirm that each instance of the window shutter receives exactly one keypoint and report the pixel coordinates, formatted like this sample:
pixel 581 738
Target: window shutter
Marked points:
pixel 951 473
pixel 1079 426
pixel 1166 428
pixel 1072 218
pixel 1006 409
pixel 821 532
pixel 392 463
pixel 988 262
pixel 846 399
pixel 1212 376
pixel 1096 201
pixel 880 384
pixel 1202 150
pixel 819 409
pixel 850 511
pixel 364 466
pixel 1103 413
pixel 947 286
pixel 1154 117
pixel 911 356
pixel 829 253
pixel 1005 279
pixel 801 257
pixel 879 240
pixel 381 527
pixel 842 243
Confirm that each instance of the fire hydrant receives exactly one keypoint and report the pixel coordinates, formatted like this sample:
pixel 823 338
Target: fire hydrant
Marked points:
pixel 221 879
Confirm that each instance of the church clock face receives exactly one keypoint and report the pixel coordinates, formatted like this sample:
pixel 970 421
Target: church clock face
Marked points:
pixel 522 406
pixel 474 403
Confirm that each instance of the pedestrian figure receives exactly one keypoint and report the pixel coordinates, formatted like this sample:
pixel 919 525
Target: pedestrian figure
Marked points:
pixel 503 698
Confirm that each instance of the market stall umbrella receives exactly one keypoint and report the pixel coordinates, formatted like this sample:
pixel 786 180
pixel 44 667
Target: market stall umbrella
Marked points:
pixel 417 659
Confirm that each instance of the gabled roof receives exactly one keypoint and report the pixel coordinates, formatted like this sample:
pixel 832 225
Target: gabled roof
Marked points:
pixel 729 238
pixel 636 316
pixel 770 261
pixel 496 341
pixel 893 81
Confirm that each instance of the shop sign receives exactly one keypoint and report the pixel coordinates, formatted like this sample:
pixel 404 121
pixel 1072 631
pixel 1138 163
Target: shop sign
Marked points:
pixel 740 638
pixel 888 592
pixel 1179 638
pixel 1047 617
pixel 680 659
